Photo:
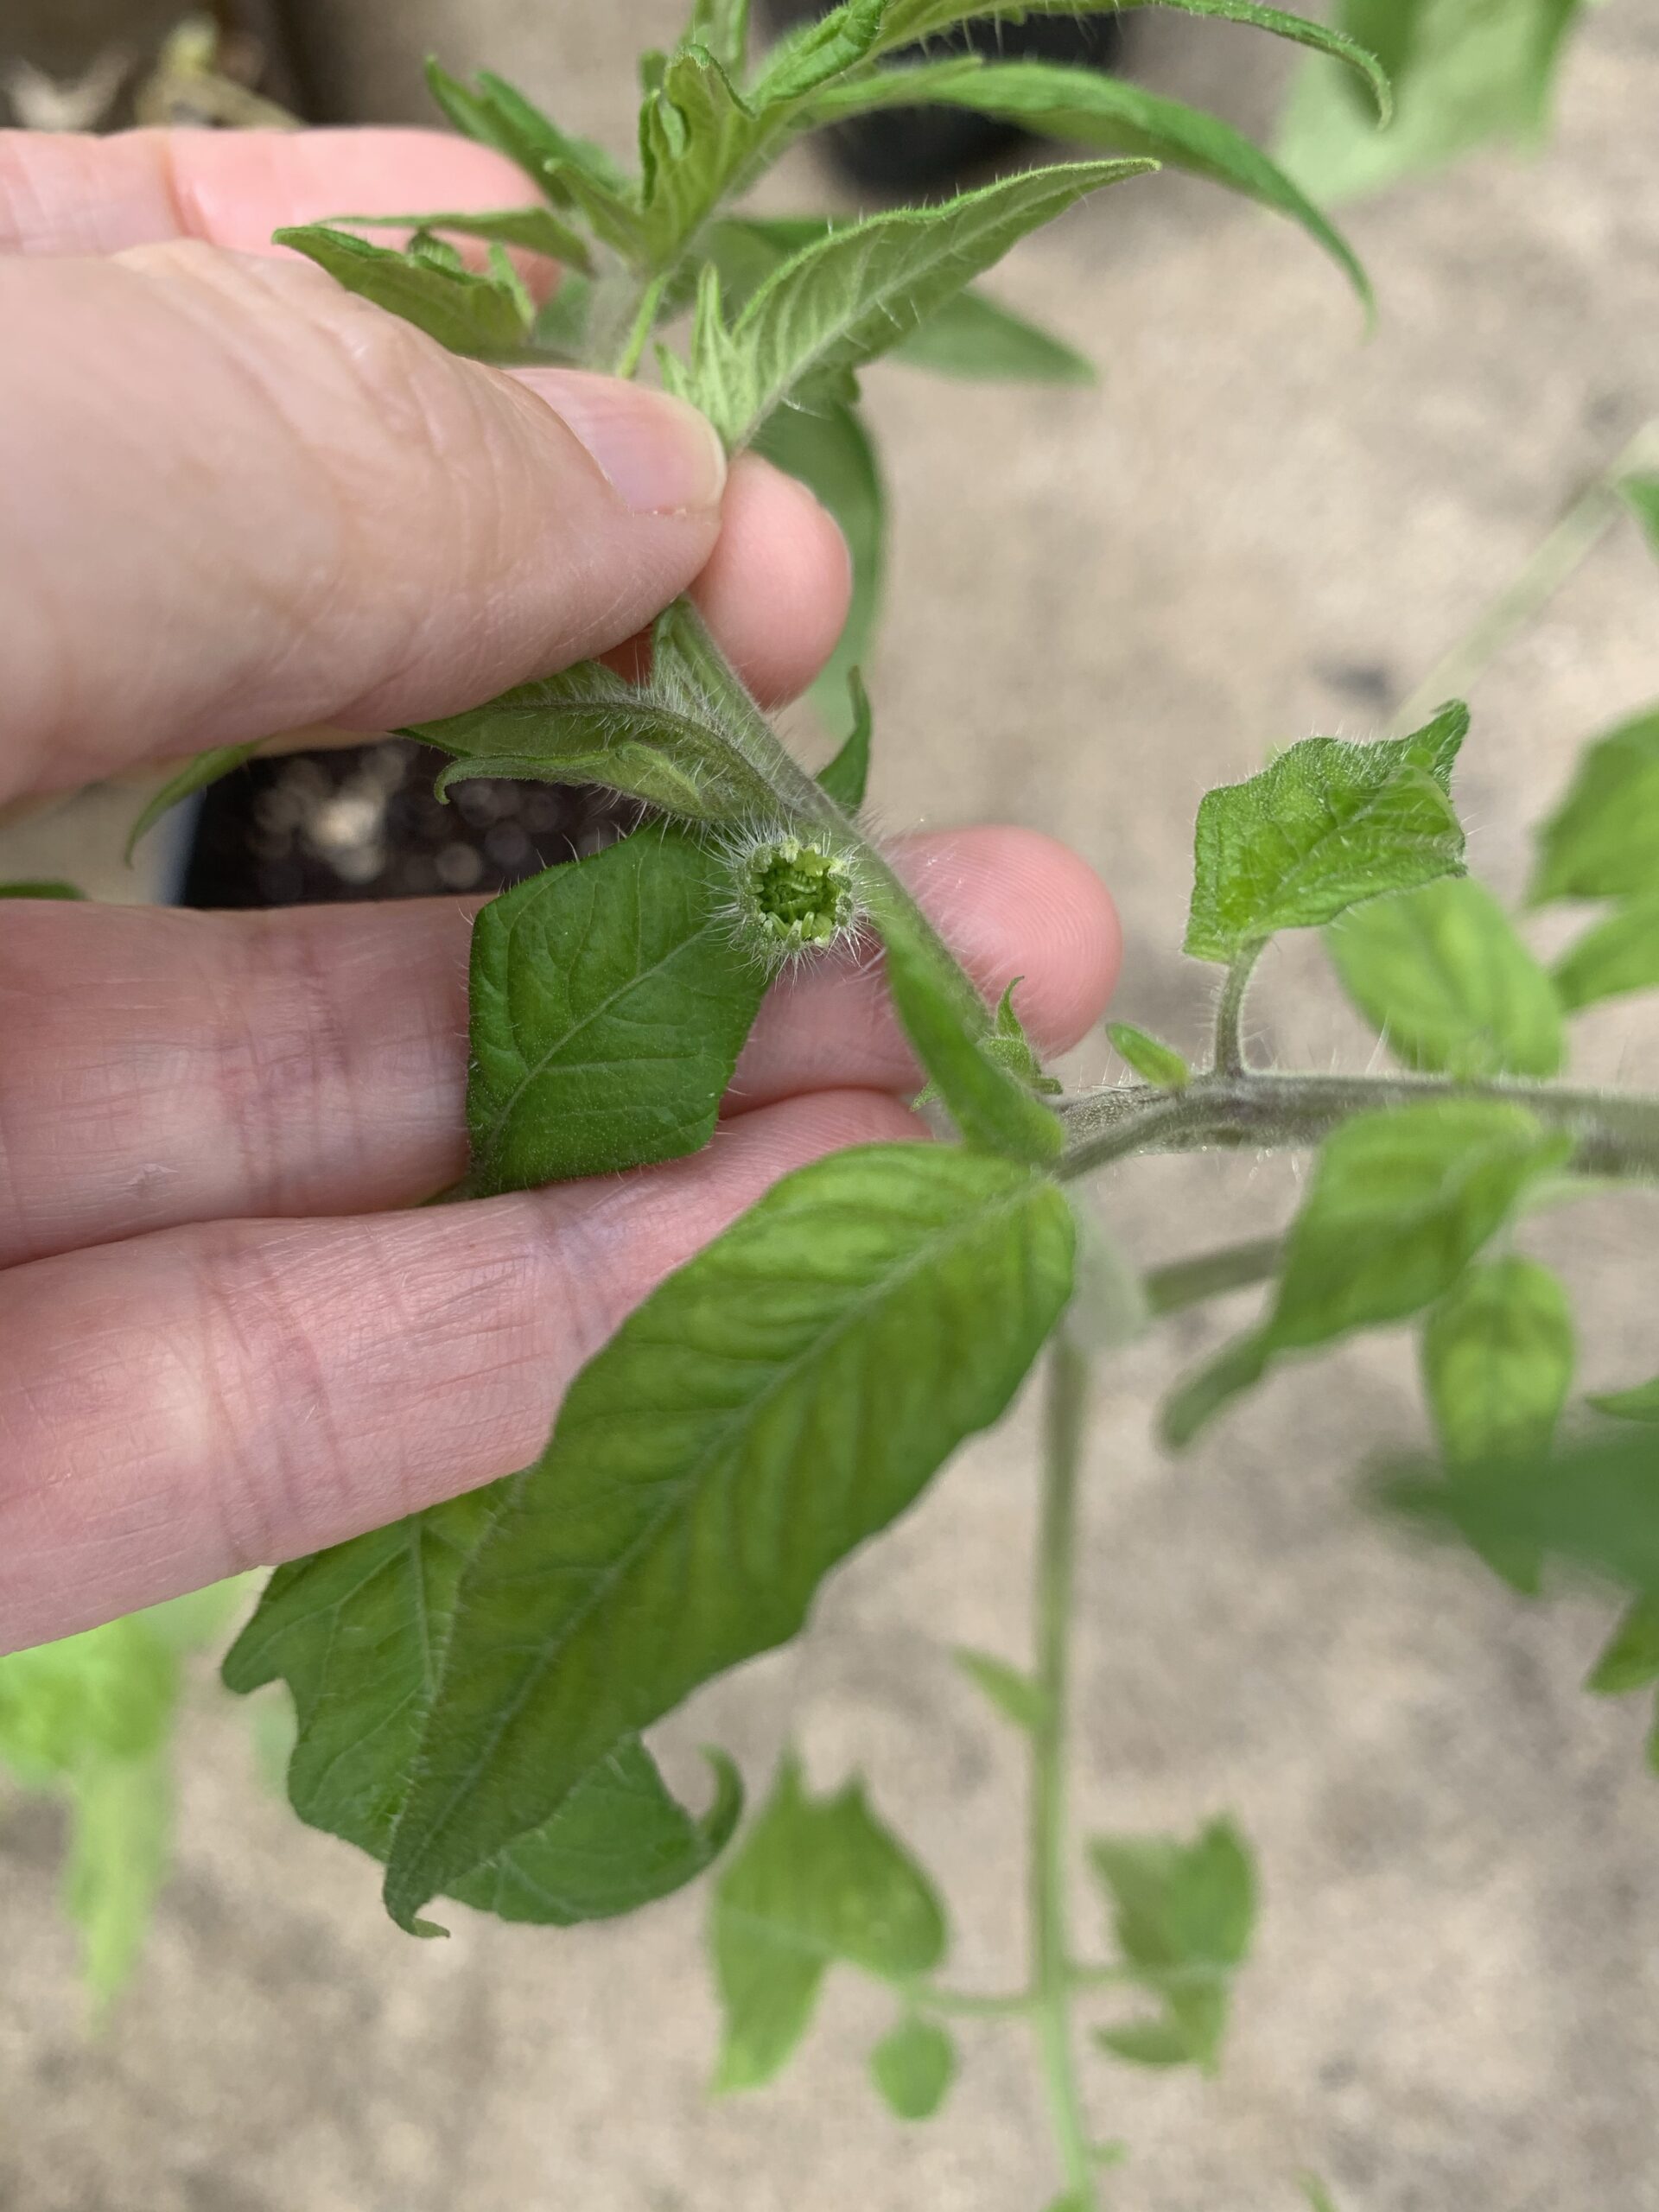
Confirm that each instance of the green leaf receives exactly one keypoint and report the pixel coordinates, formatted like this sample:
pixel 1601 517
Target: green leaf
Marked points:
pixel 1630 1661
pixel 469 313
pixel 1401 1203
pixel 697 135
pixel 1499 1354
pixel 1184 1914
pixel 1318 2196
pixel 1641 1404
pixel 1154 1062
pixel 702 141
pixel 974 336
pixel 1603 841
pixel 358 1633
pixel 723 27
pixel 1640 495
pixel 913 2069
pixel 854 294
pixel 538 230
pixel 1595 1506
pixel 41 889
pixel 1156 2043
pixel 92 1717
pixel 847 777
pixel 196 776
pixel 494 114
pixel 108 1694
pixel 1112 116
pixel 119 1855
pixel 1465 72
pixel 776 1401
pixel 610 1000
pixel 832 455
pixel 659 742
pixel 819 52
pixel 1328 825
pixel 1618 955
pixel 987 1094
pixel 1444 980
pixel 908 20
pixel 816 1881
pixel 971 335
pixel 1013 1693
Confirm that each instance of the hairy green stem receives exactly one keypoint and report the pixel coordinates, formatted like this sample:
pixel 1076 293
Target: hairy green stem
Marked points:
pixel 1053 1979
pixel 645 323
pixel 1580 531
pixel 1230 1013
pixel 803 802
pixel 1616 1134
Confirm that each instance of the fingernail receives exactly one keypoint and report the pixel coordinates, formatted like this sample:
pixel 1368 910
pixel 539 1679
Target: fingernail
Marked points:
pixel 658 455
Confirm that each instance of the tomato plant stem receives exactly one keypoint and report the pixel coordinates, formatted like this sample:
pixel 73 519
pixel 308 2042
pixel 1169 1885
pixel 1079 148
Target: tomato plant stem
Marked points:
pixel 1054 1980
pixel 1580 531
pixel 1230 1013
pixel 1615 1133
pixel 645 323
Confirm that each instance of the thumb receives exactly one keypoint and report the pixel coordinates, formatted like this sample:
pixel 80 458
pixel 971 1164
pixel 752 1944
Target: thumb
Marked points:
pixel 234 499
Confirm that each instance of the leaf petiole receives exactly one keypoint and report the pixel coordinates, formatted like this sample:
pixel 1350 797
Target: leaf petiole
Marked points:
pixel 644 321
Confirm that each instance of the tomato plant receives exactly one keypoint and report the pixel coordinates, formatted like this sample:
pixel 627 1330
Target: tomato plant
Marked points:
pixel 473 1686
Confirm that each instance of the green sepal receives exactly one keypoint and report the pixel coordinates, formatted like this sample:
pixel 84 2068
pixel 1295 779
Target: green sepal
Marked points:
pixel 1153 1061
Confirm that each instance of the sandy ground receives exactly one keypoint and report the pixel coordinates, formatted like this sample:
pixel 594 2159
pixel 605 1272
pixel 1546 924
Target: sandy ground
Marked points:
pixel 1260 526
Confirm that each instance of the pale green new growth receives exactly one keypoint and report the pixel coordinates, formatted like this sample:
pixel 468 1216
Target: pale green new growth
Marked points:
pixel 843 302
pixel 1328 825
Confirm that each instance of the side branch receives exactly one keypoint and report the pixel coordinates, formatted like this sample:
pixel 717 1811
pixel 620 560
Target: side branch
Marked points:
pixel 1614 1133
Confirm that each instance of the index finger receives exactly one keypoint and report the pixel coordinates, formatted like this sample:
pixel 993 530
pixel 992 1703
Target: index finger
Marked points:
pixel 63 192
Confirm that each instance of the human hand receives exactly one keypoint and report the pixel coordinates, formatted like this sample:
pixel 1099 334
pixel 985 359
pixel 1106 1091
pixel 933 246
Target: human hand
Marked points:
pixel 234 500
